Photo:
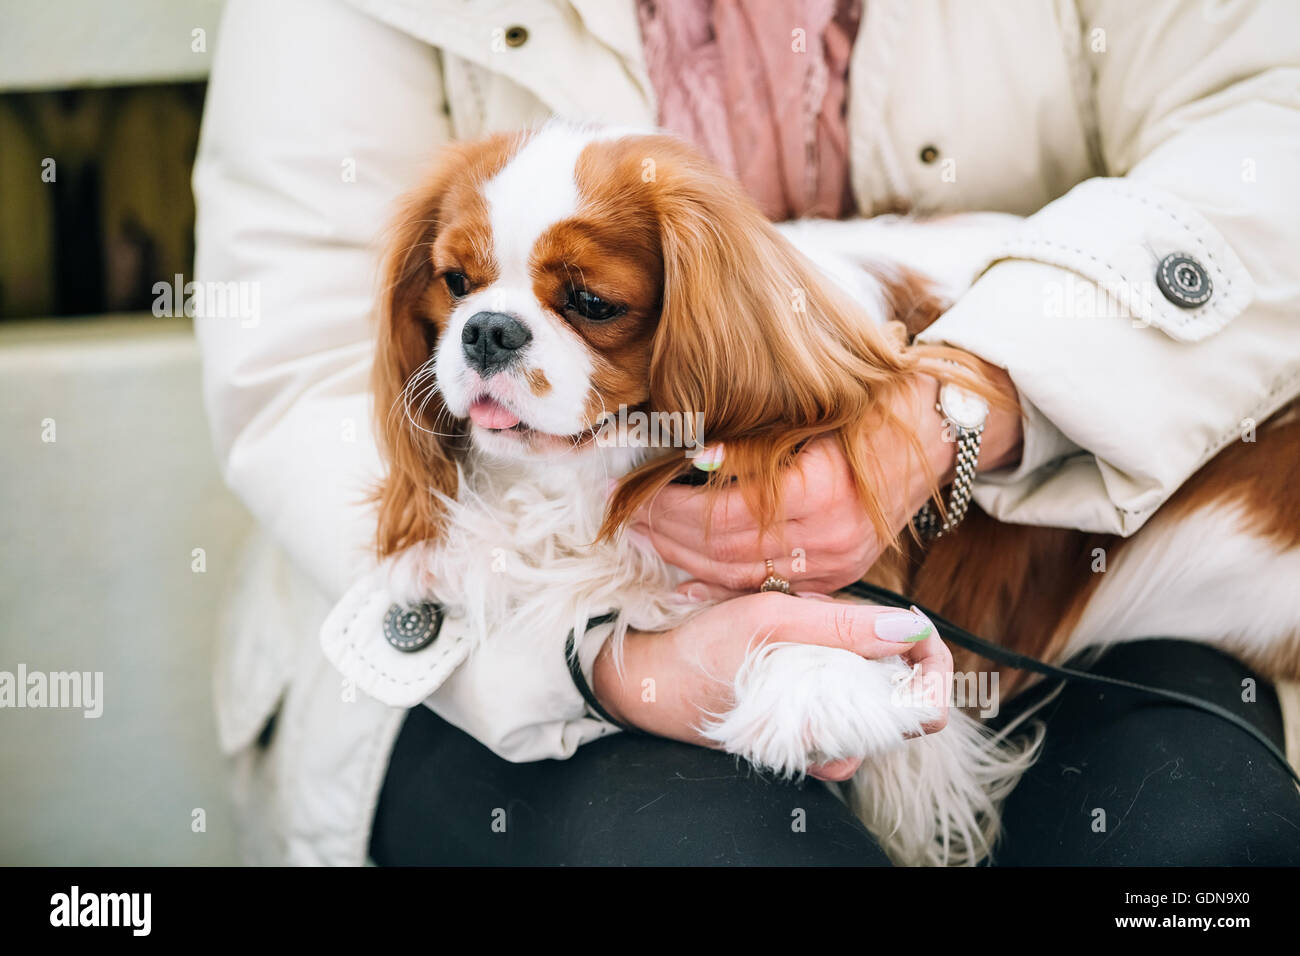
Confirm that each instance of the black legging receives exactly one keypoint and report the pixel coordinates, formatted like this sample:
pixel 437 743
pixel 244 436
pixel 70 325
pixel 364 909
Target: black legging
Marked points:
pixel 1176 786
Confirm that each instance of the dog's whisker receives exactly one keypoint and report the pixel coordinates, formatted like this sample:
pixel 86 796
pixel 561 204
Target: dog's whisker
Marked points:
pixel 424 382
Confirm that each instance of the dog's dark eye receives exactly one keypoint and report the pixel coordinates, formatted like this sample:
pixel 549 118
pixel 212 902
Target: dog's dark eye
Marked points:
pixel 593 307
pixel 457 284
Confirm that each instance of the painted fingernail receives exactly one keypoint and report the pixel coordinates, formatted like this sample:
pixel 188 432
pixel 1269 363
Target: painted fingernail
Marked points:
pixel 709 458
pixel 903 627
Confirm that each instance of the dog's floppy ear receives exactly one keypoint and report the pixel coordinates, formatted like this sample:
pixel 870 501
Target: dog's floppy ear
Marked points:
pixel 770 351
pixel 416 434
pixel 412 428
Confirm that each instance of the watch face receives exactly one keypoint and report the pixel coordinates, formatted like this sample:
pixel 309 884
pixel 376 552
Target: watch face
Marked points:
pixel 962 408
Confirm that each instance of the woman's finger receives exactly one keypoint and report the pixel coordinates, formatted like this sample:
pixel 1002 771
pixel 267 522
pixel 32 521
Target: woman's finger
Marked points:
pixel 935 660
pixel 697 590
pixel 735 577
pixel 836 771
pixel 868 630
pixel 732 564
pixel 811 481
pixel 737 547
pixel 689 510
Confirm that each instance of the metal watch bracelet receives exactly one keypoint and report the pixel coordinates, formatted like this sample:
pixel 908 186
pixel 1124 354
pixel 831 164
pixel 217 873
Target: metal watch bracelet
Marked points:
pixel 928 523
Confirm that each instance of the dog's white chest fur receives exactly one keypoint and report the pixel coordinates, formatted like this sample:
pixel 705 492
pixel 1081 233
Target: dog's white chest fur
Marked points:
pixel 520 554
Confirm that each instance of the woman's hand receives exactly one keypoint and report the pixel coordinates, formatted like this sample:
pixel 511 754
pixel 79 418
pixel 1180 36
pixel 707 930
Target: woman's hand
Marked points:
pixel 692 668
pixel 823 539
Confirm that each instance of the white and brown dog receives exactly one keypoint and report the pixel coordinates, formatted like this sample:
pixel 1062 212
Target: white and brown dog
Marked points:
pixel 539 281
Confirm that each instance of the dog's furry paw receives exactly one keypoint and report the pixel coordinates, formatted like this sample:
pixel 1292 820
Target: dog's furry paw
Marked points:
pixel 798 705
pixel 929 799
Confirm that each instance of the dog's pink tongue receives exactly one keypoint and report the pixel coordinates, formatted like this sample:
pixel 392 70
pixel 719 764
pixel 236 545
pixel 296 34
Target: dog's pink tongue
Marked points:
pixel 486 413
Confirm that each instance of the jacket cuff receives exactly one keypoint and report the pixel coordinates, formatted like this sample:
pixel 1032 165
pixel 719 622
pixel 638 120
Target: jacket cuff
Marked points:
pixel 514 693
pixel 1042 444
pixel 353 639
pixel 1073 310
pixel 1121 235
pixel 516 696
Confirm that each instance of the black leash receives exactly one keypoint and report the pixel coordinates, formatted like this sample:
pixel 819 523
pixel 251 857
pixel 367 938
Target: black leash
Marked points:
pixel 963 638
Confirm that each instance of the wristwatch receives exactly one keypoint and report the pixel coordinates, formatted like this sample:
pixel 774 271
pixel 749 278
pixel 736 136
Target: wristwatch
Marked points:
pixel 966 413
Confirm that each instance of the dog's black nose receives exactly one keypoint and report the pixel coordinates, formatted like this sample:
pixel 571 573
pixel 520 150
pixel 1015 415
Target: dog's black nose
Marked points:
pixel 492 340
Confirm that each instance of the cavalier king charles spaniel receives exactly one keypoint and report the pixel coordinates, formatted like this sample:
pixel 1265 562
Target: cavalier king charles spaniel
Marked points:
pixel 541 283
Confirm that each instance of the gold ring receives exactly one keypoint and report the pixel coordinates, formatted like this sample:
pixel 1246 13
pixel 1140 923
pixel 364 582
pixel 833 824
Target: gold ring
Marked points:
pixel 773 581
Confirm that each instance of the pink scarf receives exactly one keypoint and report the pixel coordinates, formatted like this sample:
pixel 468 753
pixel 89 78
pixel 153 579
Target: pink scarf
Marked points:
pixel 760 86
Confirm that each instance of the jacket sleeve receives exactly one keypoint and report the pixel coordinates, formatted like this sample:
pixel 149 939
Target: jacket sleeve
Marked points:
pixel 318 118
pixel 1128 390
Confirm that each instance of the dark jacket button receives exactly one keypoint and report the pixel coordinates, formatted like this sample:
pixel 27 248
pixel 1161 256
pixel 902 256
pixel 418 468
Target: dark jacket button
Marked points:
pixel 412 628
pixel 1183 281
pixel 516 36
